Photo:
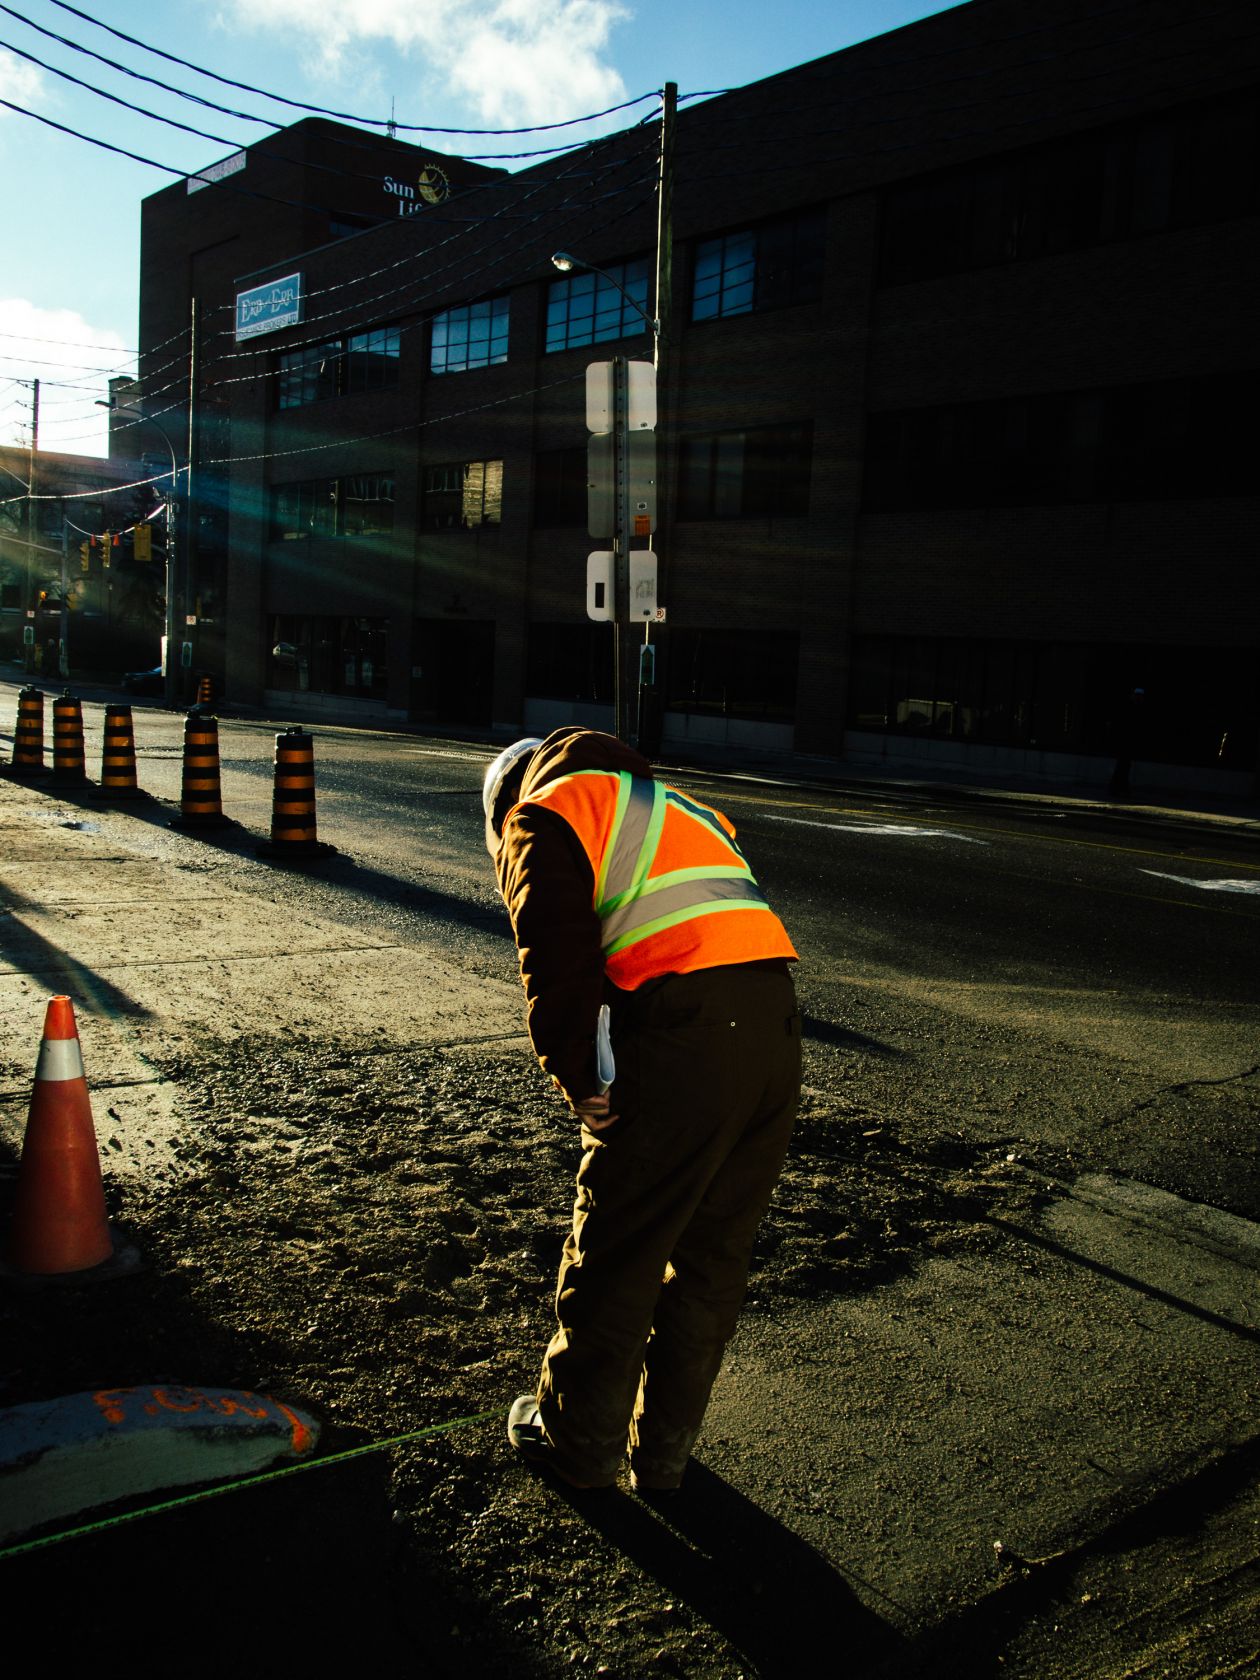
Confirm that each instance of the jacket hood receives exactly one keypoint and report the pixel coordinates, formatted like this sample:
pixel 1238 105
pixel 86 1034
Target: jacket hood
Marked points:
pixel 573 748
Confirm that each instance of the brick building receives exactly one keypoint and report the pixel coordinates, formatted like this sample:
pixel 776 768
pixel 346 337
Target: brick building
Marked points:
pixel 957 407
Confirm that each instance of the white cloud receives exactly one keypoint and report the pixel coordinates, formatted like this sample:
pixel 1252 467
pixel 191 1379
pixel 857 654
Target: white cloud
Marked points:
pixel 512 61
pixel 21 82
pixel 72 360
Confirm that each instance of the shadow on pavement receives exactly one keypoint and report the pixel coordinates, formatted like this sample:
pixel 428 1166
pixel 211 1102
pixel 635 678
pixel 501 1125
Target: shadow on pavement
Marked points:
pixel 288 1574
pixel 33 955
pixel 844 1038
pixel 1152 1291
pixel 778 1601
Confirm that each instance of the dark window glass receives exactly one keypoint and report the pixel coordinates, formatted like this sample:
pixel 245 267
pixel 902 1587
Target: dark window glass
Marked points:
pixel 365 361
pixel 1175 439
pixel 463 495
pixel 367 504
pixel 305 509
pixel 593 308
pixel 759 473
pixel 371 359
pixel 733 673
pixel 471 336
pixel 1196 706
pixel 328 655
pixel 570 662
pixel 308 374
pixel 560 489
pixel 359 505
pixel 766 267
pixel 1174 169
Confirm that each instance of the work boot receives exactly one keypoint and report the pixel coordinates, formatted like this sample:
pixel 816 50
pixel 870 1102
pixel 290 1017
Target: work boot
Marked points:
pixel 526 1433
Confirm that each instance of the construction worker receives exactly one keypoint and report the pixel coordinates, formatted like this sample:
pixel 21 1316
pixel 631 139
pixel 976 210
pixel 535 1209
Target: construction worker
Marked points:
pixel 624 891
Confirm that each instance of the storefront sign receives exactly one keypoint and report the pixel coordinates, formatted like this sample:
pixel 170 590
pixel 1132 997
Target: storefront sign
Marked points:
pixel 265 309
pixel 431 186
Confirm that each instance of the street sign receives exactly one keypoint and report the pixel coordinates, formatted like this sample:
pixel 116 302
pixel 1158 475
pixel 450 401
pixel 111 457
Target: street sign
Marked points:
pixel 601 486
pixel 642 584
pixel 601 483
pixel 600 585
pixel 601 402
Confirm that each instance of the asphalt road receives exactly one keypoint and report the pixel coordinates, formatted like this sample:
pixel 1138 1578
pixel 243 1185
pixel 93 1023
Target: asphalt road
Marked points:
pixel 1013 973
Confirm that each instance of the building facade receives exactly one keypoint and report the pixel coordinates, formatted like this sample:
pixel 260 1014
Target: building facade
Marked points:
pixel 955 450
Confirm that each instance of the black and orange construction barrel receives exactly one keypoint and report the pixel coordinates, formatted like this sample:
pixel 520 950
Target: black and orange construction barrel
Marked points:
pixel 118 755
pixel 205 692
pixel 293 800
pixel 28 737
pixel 68 762
pixel 201 800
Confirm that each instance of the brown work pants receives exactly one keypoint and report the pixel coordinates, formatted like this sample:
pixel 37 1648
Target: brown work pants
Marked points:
pixel 668 1204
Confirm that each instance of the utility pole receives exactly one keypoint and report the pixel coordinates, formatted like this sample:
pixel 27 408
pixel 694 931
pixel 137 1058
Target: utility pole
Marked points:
pixel 184 592
pixel 63 654
pixel 665 227
pixel 31 525
pixel 649 705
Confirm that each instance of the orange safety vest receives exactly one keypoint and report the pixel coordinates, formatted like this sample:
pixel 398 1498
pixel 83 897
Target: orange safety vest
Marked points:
pixel 673 891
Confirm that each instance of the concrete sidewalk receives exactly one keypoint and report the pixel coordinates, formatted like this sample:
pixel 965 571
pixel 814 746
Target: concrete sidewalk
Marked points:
pixel 1090 1365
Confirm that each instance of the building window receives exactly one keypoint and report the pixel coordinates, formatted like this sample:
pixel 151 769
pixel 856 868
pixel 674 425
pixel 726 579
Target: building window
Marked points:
pixel 590 309
pixel 472 336
pixel 328 655
pixel 1178 168
pixel 570 662
pixel 1198 704
pixel 371 361
pixel 308 374
pixel 560 477
pixel 733 673
pixel 359 505
pixel 308 509
pixel 765 267
pixel 760 473
pixel 463 495
pixel 1173 439
pixel 366 361
pixel 366 504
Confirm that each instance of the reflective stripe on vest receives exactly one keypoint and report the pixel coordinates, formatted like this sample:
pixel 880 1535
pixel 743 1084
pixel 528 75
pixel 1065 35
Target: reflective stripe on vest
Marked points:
pixel 631 903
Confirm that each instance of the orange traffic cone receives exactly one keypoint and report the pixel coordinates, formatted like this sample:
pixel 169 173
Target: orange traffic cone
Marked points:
pixel 59 1222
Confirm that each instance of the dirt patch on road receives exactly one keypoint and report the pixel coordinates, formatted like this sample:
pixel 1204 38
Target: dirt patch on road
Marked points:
pixel 373 1234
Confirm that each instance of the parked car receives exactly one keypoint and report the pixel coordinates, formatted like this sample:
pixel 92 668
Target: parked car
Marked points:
pixel 145 682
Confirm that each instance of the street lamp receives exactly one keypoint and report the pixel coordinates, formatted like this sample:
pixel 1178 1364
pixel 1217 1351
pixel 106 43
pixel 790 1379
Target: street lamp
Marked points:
pixel 567 263
pixel 172 525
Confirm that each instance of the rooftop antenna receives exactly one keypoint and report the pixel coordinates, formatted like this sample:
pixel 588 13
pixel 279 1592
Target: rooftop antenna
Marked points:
pixel 391 127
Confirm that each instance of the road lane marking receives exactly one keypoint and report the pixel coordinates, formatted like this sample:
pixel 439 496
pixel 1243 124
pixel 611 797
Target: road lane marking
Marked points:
pixel 1043 836
pixel 1206 886
pixel 441 752
pixel 880 828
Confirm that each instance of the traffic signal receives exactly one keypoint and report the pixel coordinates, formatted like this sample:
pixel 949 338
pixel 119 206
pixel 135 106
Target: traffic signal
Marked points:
pixel 85 557
pixel 142 542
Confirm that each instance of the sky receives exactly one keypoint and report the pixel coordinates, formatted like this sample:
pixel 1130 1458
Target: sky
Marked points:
pixel 70 247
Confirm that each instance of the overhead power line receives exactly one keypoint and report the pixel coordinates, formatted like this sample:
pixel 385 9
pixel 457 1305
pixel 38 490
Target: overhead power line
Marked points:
pixel 324 111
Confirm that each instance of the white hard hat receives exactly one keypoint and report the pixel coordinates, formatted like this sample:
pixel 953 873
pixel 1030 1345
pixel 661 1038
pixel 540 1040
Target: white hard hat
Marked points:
pixel 496 775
